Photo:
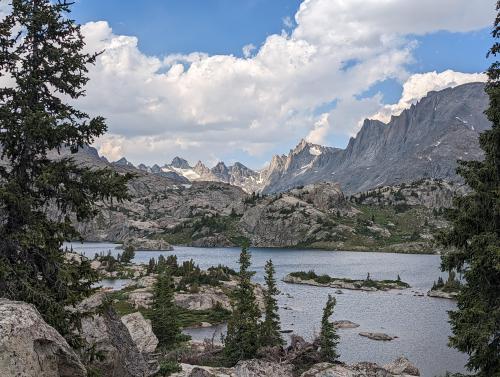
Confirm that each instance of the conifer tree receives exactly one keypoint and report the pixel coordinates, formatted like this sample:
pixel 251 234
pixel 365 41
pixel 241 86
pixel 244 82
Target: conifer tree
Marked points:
pixel 164 316
pixel 270 335
pixel 474 241
pixel 41 55
pixel 328 338
pixel 242 339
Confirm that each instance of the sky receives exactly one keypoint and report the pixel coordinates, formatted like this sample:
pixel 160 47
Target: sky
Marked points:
pixel 242 80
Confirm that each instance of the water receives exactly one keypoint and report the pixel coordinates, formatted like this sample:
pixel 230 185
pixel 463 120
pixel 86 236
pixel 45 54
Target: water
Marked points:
pixel 421 323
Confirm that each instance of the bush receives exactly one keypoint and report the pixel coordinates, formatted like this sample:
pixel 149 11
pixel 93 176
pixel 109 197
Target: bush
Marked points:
pixel 167 367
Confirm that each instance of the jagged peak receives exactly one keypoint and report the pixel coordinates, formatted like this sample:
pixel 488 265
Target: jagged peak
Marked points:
pixel 180 163
pixel 123 162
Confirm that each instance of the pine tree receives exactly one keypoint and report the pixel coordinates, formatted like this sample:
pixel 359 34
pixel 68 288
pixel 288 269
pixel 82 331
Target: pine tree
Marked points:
pixel 474 241
pixel 242 339
pixel 270 335
pixel 328 338
pixel 128 254
pixel 164 316
pixel 41 53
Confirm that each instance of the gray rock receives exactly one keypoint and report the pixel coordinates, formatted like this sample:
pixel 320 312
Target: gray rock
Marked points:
pixel 344 324
pixel 441 294
pixel 423 142
pixel 29 347
pixel 141 332
pixel 106 333
pixel 402 366
pixel 377 336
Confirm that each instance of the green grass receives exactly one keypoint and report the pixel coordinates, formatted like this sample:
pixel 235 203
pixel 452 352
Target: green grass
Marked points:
pixel 187 318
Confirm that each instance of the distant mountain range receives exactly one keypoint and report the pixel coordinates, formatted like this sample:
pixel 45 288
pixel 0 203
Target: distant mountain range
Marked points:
pixel 424 141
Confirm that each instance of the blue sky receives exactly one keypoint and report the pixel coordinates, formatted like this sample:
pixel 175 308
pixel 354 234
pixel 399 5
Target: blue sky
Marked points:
pixel 223 27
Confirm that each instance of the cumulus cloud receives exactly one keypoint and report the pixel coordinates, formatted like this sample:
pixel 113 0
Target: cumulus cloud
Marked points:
pixel 214 105
pixel 418 85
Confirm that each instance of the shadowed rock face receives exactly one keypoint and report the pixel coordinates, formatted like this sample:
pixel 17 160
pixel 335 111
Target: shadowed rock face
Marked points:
pixel 423 142
pixel 29 347
pixel 110 336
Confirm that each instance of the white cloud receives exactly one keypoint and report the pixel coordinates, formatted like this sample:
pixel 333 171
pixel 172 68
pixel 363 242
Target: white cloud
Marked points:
pixel 288 22
pixel 418 85
pixel 247 50
pixel 320 130
pixel 216 105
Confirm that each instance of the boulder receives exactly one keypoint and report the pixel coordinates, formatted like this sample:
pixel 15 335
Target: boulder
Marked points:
pixel 141 298
pixel 261 368
pixel 344 324
pixel 107 334
pixel 377 336
pixel 207 298
pixel 402 366
pixel 141 332
pixel 29 347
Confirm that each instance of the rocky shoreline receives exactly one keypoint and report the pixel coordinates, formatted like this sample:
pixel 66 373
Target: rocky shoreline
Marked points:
pixel 438 293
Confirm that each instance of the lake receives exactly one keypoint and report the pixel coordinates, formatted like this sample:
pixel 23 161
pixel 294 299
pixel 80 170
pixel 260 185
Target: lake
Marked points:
pixel 420 323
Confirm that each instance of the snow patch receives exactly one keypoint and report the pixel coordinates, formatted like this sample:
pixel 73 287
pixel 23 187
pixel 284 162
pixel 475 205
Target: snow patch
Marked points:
pixel 315 151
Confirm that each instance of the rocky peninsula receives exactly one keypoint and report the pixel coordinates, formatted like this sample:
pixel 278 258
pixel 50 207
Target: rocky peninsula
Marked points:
pixel 311 278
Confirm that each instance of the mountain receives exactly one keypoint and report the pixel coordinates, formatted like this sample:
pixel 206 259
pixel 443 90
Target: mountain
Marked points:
pixel 425 141
pixel 236 175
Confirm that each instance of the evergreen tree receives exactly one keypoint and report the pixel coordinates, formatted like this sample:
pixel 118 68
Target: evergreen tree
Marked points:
pixel 164 316
pixel 270 335
pixel 242 339
pixel 474 241
pixel 128 254
pixel 41 54
pixel 328 338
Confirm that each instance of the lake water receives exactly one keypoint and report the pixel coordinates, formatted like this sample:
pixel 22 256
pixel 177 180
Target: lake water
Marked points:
pixel 421 323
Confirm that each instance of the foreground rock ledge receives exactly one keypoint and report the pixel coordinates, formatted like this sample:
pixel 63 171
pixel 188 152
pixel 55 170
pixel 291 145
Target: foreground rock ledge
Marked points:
pixel 401 367
pixel 29 347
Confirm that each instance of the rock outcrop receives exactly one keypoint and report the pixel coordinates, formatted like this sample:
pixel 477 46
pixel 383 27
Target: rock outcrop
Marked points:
pixel 442 294
pixel 29 347
pixel 141 332
pixel 148 244
pixel 424 141
pixel 260 368
pixel 247 368
pixel 107 334
pixel 399 368
pixel 377 336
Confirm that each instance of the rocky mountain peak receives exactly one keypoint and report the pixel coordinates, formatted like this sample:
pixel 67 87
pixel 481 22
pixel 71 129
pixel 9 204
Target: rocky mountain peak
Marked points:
pixel 180 163
pixel 123 162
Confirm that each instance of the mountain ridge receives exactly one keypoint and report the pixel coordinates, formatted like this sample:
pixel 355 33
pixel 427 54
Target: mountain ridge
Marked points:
pixel 424 141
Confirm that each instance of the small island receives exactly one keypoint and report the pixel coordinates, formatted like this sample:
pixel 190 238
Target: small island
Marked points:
pixel 448 289
pixel 311 278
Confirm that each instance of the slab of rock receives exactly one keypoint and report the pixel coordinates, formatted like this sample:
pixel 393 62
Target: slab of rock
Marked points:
pixel 441 294
pixel 363 369
pixel 258 368
pixel 147 244
pixel 141 298
pixel 29 347
pixel 141 332
pixel 344 324
pixel 107 334
pixel 377 336
pixel 203 300
pixel 402 366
